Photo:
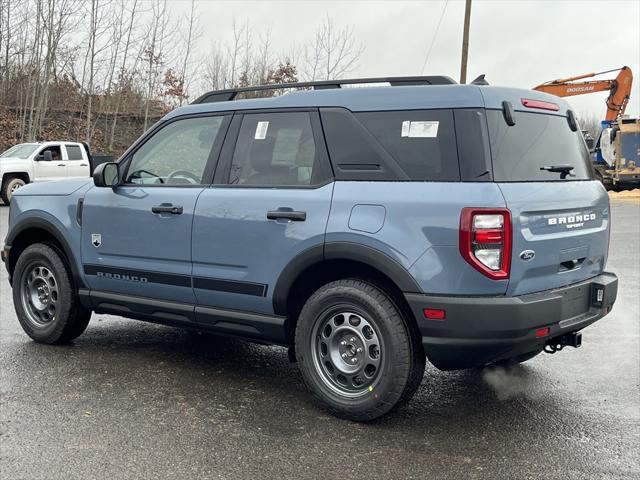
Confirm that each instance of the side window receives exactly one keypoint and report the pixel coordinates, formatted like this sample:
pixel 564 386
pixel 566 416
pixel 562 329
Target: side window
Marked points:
pixel 74 152
pixel 177 154
pixel 56 153
pixel 423 142
pixel 276 149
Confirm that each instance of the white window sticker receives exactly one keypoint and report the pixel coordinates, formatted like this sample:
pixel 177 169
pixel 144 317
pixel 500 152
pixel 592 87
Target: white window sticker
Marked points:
pixel 405 128
pixel 427 129
pixel 261 130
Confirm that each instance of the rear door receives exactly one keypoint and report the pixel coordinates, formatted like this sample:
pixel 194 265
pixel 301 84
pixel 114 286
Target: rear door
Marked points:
pixel 77 163
pixel 560 218
pixel 270 202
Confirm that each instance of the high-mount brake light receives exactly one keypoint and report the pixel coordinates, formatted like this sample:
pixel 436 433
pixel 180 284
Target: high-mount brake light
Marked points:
pixel 485 240
pixel 529 103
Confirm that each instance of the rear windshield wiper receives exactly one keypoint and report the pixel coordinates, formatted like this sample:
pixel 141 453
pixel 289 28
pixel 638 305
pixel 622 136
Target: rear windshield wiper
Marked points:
pixel 563 170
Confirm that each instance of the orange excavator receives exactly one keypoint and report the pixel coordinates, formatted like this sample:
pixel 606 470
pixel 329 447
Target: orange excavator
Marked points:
pixel 617 150
pixel 619 88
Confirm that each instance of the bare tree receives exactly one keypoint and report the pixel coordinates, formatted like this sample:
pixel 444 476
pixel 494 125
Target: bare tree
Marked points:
pixel 241 41
pixel 216 69
pixel 153 54
pixel 98 28
pixel 123 74
pixel 332 53
pixel 243 62
pixel 57 15
pixel 590 123
pixel 107 66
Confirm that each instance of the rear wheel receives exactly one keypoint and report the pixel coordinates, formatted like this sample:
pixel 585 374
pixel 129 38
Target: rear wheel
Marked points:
pixel 44 297
pixel 9 186
pixel 355 350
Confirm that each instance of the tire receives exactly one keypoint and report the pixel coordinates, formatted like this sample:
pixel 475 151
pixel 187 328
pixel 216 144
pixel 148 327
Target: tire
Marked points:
pixel 44 297
pixel 356 352
pixel 10 185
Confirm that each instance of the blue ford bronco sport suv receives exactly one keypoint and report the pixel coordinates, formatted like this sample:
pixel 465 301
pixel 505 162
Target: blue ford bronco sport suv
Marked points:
pixel 364 228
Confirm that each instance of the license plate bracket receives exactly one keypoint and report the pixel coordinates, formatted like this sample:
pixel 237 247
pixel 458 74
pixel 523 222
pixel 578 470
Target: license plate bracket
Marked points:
pixel 597 294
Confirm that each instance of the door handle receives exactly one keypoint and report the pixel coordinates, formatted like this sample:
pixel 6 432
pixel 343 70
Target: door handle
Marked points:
pixel 167 208
pixel 84 165
pixel 62 165
pixel 287 215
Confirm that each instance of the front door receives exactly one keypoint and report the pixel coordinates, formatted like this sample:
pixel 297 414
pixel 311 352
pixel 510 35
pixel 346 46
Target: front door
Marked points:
pixel 270 202
pixel 136 238
pixel 54 169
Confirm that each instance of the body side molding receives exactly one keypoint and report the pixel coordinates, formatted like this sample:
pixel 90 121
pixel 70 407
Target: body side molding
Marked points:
pixel 269 328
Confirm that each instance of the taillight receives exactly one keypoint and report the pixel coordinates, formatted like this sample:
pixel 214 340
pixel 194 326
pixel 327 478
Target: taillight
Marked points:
pixel 485 240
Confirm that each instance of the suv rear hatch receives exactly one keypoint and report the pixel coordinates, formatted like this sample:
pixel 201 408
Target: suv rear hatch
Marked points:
pixel 560 215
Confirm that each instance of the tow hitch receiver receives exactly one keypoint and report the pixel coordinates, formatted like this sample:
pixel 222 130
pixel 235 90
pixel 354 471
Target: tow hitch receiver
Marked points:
pixel 573 339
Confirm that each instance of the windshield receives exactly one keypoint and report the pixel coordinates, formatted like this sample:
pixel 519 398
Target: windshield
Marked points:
pixel 20 151
pixel 538 147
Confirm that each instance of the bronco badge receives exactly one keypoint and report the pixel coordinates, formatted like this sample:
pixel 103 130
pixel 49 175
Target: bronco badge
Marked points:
pixel 96 239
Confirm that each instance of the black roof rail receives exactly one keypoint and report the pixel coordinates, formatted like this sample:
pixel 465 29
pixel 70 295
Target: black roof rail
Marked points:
pixel 231 93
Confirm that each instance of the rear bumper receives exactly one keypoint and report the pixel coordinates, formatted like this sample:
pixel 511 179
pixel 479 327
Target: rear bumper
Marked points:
pixel 482 330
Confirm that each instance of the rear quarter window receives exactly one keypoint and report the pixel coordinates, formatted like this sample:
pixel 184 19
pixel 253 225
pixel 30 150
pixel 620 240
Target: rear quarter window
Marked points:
pixel 519 152
pixel 422 142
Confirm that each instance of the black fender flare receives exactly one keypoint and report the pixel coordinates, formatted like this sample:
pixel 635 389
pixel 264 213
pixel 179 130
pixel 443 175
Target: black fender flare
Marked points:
pixel 340 251
pixel 54 231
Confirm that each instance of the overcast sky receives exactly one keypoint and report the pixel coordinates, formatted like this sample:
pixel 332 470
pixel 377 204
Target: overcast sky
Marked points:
pixel 515 43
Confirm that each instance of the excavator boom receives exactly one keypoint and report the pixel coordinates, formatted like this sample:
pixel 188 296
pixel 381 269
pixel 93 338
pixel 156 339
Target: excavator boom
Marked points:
pixel 619 88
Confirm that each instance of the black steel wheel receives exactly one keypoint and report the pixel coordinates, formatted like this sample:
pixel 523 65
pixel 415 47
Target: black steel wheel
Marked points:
pixel 44 296
pixel 347 351
pixel 39 294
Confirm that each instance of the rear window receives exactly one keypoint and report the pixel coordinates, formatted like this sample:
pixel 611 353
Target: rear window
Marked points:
pixel 536 143
pixel 74 152
pixel 422 142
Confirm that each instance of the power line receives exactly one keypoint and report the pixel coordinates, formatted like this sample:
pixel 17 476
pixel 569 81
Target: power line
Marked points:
pixel 435 34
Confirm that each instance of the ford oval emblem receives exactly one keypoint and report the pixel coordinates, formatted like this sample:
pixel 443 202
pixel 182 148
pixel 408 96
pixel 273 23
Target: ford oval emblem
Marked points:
pixel 527 255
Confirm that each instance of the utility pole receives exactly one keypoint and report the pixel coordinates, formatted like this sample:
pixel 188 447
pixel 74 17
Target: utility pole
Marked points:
pixel 465 42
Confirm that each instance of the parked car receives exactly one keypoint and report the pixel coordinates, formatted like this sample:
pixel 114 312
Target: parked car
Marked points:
pixel 363 228
pixel 36 162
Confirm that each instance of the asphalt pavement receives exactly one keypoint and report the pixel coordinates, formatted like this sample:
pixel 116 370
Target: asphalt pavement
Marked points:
pixel 131 400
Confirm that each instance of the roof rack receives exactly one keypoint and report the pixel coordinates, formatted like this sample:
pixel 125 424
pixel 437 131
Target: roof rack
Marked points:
pixel 231 93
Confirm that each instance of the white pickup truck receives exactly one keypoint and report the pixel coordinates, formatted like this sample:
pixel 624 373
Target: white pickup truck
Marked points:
pixel 36 162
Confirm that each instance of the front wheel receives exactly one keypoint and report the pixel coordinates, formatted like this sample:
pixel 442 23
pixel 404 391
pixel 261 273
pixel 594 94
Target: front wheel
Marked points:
pixel 9 186
pixel 356 351
pixel 44 297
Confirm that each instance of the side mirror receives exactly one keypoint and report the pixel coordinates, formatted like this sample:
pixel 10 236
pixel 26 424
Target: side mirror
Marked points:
pixel 45 156
pixel 106 175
